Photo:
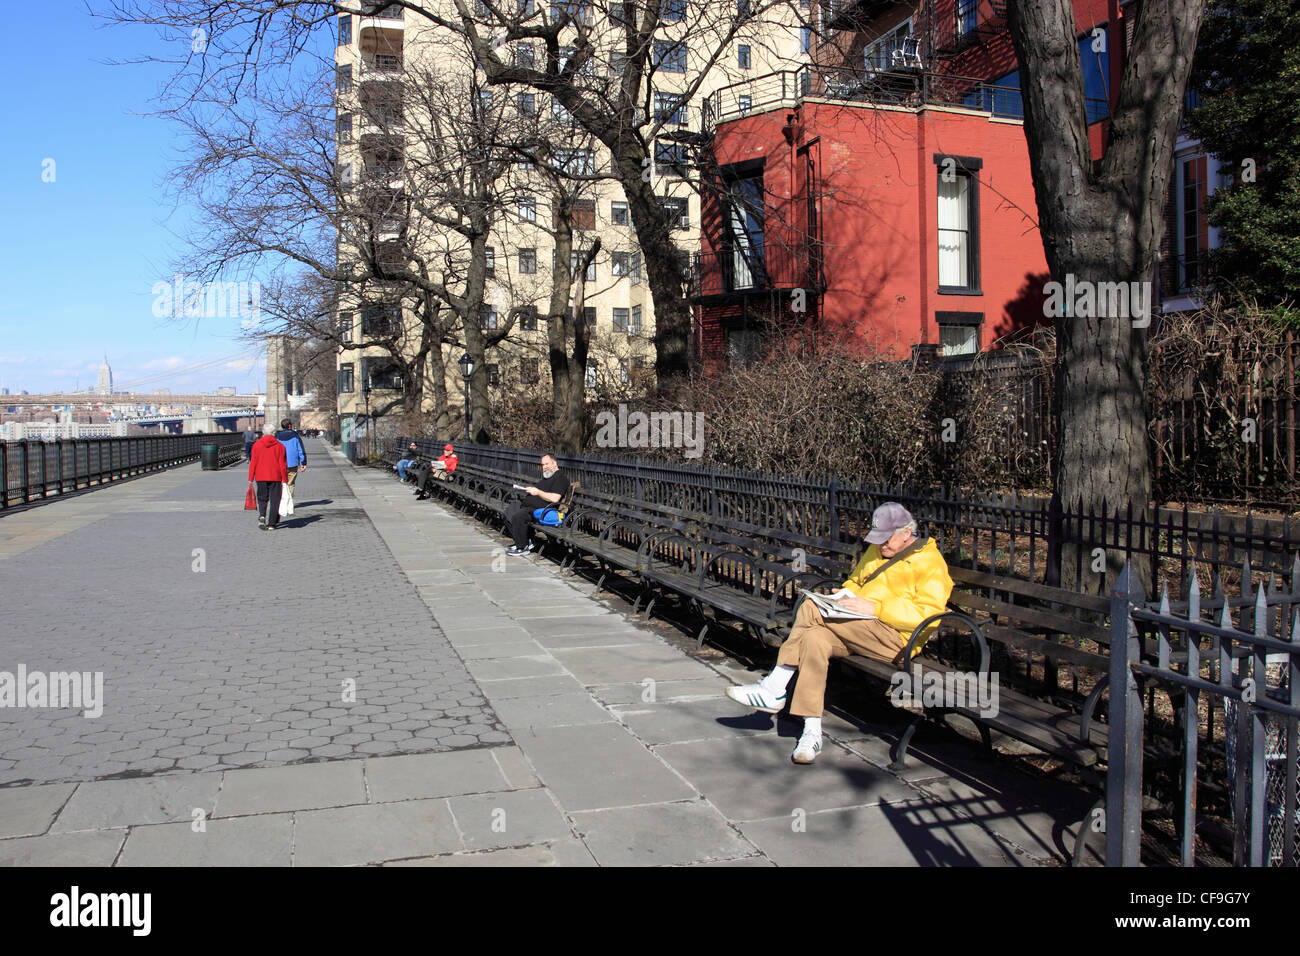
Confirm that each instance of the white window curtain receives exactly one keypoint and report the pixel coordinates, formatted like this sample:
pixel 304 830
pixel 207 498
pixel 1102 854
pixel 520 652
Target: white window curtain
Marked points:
pixel 954 232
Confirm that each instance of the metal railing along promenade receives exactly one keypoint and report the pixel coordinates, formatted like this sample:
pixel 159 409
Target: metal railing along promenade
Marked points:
pixel 33 470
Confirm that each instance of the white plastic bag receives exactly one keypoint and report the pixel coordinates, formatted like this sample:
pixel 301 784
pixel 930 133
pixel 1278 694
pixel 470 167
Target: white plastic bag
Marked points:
pixel 286 500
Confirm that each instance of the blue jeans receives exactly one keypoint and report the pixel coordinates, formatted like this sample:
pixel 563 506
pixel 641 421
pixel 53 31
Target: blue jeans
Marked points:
pixel 402 465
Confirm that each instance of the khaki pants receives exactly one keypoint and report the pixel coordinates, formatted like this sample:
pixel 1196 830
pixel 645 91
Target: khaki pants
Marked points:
pixel 813 642
pixel 293 476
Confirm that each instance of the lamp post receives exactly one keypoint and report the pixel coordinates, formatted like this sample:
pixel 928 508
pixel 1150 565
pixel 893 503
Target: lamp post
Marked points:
pixel 466 369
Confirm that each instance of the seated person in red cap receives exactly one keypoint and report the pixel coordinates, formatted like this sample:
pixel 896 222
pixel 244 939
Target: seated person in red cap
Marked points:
pixel 442 469
pixel 900 581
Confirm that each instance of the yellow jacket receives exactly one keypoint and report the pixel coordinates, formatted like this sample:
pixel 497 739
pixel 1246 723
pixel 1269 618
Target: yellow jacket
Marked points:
pixel 907 592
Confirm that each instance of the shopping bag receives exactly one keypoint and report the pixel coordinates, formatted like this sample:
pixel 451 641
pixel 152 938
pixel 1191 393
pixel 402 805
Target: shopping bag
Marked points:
pixel 286 500
pixel 250 498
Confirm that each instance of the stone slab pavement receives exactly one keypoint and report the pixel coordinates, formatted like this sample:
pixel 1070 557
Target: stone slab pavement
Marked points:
pixel 379 683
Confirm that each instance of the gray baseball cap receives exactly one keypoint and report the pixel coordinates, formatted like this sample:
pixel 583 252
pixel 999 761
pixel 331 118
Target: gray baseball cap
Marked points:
pixel 886 520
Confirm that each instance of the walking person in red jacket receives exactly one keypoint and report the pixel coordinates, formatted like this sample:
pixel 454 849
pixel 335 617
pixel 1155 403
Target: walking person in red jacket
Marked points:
pixel 268 468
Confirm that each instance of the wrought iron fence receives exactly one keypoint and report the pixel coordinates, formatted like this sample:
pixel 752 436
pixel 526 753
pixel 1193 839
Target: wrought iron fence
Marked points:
pixel 1248 673
pixel 33 470
pixel 1030 536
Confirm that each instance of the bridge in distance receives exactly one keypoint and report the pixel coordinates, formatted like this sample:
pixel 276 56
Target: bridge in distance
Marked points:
pixel 81 398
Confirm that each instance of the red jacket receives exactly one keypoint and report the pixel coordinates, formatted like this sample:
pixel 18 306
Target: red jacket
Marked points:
pixel 449 460
pixel 267 463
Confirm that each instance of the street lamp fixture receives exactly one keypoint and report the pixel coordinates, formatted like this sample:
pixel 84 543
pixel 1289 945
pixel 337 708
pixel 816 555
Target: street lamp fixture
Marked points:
pixel 466 370
pixel 365 393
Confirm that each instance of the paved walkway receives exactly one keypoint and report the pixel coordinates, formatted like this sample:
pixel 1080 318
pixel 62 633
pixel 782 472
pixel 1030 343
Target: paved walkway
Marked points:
pixel 377 682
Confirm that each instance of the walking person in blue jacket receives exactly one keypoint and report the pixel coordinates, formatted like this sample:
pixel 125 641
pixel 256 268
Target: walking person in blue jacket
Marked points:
pixel 295 456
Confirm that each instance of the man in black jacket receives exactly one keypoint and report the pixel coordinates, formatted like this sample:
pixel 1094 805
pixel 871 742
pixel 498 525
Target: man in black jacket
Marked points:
pixel 549 491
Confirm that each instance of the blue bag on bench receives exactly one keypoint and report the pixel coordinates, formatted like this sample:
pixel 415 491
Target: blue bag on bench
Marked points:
pixel 548 516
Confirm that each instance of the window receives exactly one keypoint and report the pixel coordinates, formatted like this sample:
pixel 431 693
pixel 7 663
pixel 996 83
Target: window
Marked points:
pixel 589 315
pixel 672 159
pixel 574 259
pixel 345 29
pixel 527 262
pixel 588 67
pixel 490 263
pixel 743 258
pixel 805 39
pixel 345 176
pixel 745 103
pixel 345 327
pixel 584 214
pixel 528 318
pixel 672 11
pixel 528 373
pixel 487 318
pixel 346 383
pixel 560 114
pixel 622 371
pixel 670 109
pixel 626 264
pixel 620 320
pixel 880 54
pixel 958 224
pixel 742 56
pixel 677 212
pixel 617 63
pixel 381 374
pixel 589 376
pixel 966 13
pixel 670 56
pixel 527 207
pixel 480 9
pixel 525 164
pixel 343 79
pixel 379 320
pixel 622 13
pixel 485 100
pixel 493 373
pixel 618 213
pixel 576 162
pixel 577 11
pixel 343 126
pixel 525 56
pixel 527 8
pixel 743 10
pixel 634 326
pixel 959 332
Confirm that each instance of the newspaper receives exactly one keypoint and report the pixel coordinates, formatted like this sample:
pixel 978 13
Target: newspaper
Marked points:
pixel 832 610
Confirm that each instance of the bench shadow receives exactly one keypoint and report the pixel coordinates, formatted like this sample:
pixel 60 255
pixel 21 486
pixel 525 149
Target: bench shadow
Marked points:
pixel 322 501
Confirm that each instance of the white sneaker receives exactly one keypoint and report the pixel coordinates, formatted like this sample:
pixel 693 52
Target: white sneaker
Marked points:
pixel 809 746
pixel 756 696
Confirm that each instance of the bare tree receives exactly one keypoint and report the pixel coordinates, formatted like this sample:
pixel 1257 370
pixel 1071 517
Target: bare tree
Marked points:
pixel 1101 223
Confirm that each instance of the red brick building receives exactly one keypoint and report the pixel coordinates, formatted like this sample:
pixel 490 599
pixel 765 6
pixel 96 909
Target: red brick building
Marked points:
pixel 883 195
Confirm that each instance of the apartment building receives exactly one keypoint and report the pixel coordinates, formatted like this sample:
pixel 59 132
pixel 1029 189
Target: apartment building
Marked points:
pixel 382 137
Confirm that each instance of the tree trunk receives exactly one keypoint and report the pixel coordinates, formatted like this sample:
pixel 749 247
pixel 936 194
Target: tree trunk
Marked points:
pixel 1101 225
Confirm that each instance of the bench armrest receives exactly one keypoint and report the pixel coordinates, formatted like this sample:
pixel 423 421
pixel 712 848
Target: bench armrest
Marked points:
pixel 905 658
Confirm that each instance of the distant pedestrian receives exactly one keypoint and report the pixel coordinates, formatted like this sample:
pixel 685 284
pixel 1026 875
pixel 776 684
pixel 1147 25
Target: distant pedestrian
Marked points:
pixel 250 436
pixel 295 455
pixel 267 467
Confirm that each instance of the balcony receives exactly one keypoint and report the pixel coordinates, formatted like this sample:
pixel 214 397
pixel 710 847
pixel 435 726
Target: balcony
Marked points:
pixel 904 87
pixel 382 65
pixel 756 269
pixel 382 31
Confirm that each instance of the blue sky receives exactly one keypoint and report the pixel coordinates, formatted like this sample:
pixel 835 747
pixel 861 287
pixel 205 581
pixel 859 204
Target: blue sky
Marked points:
pixel 79 255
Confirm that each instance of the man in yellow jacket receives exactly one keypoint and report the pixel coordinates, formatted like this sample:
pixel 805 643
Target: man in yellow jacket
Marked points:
pixel 900 580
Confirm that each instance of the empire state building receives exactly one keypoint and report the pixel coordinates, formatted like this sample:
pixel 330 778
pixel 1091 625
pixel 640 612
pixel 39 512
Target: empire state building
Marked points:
pixel 105 384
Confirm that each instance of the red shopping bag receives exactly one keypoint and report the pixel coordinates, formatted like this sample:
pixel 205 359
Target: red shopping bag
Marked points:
pixel 250 499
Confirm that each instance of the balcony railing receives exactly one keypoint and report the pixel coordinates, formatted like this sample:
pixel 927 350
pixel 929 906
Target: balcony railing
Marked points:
pixel 387 13
pixel 905 88
pixel 755 268
pixel 386 63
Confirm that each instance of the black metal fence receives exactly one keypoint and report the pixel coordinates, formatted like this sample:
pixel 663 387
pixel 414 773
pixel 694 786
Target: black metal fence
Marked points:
pixel 1247 673
pixel 1031 537
pixel 33 470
